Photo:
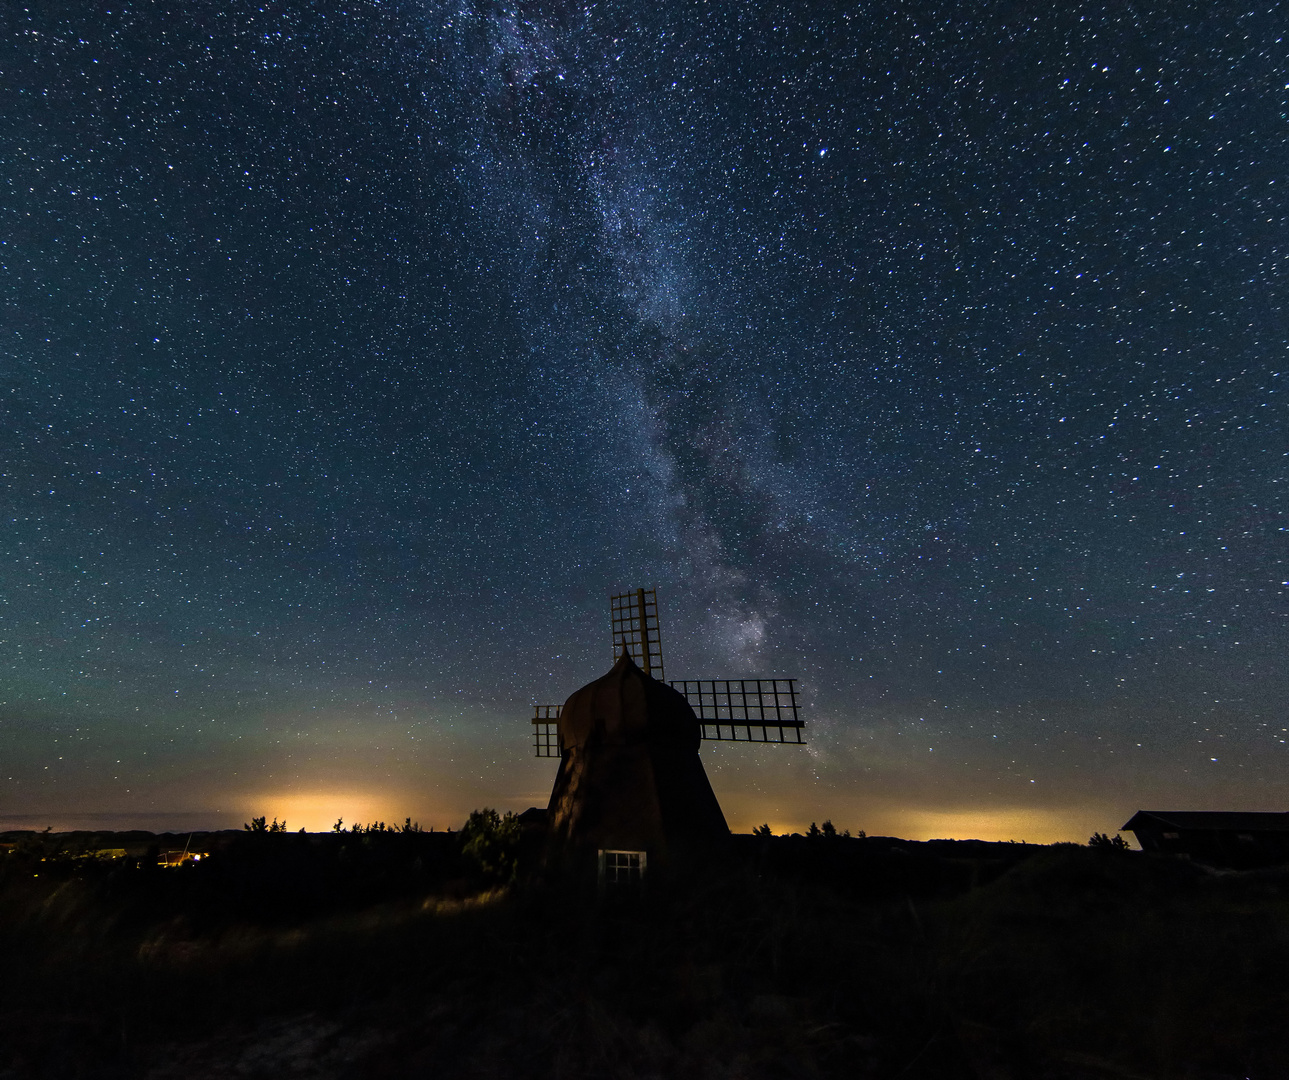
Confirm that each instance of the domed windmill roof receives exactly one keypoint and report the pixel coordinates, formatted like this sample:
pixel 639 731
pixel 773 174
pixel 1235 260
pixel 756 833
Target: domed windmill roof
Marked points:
pixel 630 777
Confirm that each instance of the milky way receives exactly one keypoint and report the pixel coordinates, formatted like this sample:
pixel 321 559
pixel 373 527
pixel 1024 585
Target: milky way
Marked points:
pixel 353 353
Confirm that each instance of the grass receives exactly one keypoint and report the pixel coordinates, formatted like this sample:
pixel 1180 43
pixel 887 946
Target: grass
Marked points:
pixel 784 958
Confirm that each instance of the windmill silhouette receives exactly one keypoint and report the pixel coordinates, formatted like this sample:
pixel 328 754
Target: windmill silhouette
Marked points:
pixel 630 785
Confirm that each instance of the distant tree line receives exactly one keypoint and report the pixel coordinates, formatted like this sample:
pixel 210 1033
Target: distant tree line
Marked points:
pixel 826 831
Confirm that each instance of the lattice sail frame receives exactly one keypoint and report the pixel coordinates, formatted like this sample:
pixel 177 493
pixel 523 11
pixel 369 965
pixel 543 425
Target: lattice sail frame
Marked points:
pixel 750 710
pixel 546 741
pixel 633 619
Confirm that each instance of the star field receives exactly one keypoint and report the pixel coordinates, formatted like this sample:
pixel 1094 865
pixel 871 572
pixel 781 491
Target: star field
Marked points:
pixel 351 353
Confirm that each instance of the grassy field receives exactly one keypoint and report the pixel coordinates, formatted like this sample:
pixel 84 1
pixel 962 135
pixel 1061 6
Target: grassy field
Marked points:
pixel 393 955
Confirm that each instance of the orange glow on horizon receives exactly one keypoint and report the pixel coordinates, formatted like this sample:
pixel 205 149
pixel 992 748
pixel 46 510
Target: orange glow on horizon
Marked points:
pixel 1032 825
pixel 1029 824
pixel 317 811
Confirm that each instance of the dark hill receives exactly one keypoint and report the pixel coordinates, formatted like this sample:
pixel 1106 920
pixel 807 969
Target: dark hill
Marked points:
pixel 389 955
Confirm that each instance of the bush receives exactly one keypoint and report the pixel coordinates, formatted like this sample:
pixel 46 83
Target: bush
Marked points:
pixel 490 844
pixel 1102 842
pixel 258 825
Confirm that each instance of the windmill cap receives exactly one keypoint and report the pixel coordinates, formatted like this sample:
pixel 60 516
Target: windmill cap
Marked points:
pixel 626 706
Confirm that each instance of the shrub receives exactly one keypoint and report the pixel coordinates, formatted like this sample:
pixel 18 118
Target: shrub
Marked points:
pixel 1102 842
pixel 490 844
pixel 259 824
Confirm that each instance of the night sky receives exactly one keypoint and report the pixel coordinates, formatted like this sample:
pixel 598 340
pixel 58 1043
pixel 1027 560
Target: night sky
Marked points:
pixel 351 354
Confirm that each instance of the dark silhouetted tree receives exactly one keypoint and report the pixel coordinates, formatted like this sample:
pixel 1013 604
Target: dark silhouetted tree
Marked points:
pixel 1102 842
pixel 490 844
pixel 260 824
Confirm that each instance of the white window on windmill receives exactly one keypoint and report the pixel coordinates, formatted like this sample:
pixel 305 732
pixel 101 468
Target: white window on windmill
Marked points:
pixel 619 868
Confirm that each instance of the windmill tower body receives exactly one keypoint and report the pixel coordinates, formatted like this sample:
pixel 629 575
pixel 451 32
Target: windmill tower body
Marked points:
pixel 630 778
pixel 630 786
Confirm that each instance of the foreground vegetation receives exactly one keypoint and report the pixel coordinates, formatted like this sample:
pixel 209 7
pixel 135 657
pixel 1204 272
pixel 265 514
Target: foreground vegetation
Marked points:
pixel 395 952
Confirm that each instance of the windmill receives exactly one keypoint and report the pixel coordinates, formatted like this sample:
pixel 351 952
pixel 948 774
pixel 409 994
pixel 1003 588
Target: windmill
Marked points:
pixel 630 784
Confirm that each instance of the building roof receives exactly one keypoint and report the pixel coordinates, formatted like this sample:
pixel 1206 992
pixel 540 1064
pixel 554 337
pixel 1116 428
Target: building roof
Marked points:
pixel 1219 820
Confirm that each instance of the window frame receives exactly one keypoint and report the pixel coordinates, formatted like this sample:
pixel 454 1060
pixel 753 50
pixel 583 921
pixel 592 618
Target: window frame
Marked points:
pixel 618 867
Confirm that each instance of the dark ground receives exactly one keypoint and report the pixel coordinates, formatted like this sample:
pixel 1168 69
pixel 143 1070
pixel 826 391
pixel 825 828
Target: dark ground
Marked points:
pixel 392 955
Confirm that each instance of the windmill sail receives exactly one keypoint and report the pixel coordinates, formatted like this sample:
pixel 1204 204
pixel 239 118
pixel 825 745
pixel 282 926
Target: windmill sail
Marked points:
pixel 546 741
pixel 745 710
pixel 633 616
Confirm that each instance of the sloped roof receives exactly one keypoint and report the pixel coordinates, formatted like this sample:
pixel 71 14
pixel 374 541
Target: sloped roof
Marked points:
pixel 1220 820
